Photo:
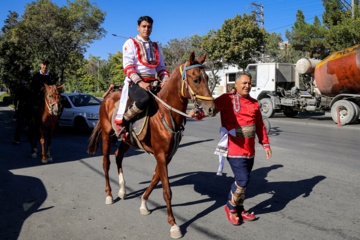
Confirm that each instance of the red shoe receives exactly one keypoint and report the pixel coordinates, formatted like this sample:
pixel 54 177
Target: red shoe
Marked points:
pixel 232 216
pixel 247 216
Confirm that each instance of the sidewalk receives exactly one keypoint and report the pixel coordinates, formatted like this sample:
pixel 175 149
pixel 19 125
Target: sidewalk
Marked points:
pixel 6 113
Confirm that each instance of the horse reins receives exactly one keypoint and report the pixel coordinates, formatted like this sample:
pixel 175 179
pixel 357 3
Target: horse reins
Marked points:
pixel 50 105
pixel 193 95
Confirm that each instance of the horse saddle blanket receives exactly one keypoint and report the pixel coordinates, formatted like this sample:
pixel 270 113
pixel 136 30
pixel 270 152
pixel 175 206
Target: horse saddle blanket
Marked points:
pixel 138 125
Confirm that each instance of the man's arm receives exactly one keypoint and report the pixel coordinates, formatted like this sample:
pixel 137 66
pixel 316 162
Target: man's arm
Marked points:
pixel 129 55
pixel 261 133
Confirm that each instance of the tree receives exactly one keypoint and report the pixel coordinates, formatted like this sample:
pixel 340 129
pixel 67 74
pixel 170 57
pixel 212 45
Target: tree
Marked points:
pixel 308 38
pixel 117 75
pixel 56 33
pixel 174 52
pixel 15 59
pixel 343 28
pixel 238 41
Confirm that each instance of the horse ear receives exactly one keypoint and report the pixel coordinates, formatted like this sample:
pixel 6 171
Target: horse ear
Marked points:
pixel 202 59
pixel 192 58
pixel 46 86
pixel 61 86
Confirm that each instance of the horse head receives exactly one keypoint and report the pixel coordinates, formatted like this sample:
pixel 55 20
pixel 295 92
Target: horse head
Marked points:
pixel 195 80
pixel 52 99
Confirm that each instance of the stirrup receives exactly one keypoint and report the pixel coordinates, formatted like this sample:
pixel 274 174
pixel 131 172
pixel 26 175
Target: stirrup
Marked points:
pixel 248 216
pixel 232 216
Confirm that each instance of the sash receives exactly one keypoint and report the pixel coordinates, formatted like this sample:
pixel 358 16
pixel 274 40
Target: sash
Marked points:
pixel 222 148
pixel 123 98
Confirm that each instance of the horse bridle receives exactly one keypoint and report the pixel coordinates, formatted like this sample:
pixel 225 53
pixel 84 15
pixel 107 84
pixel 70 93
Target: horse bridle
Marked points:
pixel 49 104
pixel 185 83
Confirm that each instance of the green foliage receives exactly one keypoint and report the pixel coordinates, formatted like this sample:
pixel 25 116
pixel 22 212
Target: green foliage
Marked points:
pixel 7 99
pixel 238 42
pixel 60 34
pixel 308 38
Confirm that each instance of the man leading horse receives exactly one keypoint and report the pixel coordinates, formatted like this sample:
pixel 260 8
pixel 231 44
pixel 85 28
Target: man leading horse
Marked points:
pixel 142 60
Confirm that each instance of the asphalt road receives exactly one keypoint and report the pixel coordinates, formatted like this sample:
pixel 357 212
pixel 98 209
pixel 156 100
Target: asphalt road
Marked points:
pixel 309 189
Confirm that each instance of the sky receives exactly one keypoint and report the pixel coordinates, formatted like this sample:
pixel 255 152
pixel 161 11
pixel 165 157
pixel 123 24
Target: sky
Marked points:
pixel 178 19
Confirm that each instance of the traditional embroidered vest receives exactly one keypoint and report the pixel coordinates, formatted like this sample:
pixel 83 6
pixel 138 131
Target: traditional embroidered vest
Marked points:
pixel 147 55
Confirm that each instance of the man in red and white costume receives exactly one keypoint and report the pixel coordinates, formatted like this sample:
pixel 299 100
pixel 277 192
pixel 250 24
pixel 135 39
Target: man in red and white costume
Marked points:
pixel 241 120
pixel 142 61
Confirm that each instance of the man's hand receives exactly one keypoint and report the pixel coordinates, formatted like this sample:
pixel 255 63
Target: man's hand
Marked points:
pixel 197 114
pixel 163 83
pixel 268 153
pixel 144 85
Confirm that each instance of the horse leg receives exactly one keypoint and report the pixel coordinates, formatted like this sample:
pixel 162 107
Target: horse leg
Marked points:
pixel 51 131
pixel 154 181
pixel 119 154
pixel 42 141
pixel 162 166
pixel 33 140
pixel 106 142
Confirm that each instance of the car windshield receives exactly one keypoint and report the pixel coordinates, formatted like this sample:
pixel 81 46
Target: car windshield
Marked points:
pixel 84 100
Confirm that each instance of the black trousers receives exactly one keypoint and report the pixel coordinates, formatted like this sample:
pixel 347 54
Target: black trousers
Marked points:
pixel 139 95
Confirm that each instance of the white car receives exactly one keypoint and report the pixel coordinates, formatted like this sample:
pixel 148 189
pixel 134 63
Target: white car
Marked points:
pixel 80 110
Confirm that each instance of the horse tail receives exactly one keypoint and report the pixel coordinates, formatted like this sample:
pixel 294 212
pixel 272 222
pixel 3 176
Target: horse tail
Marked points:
pixel 95 139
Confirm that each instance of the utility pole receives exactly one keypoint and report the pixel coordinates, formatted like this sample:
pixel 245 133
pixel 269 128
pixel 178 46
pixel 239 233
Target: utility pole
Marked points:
pixel 353 8
pixel 259 12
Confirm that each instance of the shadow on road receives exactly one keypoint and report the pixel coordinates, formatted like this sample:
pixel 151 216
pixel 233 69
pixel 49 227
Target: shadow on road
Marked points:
pixel 217 189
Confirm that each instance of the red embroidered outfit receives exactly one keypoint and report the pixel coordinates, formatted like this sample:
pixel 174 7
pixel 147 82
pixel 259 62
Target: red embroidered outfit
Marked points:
pixel 242 114
pixel 142 61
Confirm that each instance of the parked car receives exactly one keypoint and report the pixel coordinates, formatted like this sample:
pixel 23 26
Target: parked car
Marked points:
pixel 80 110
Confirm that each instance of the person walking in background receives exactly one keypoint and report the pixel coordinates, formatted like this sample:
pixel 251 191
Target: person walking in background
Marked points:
pixel 111 89
pixel 22 109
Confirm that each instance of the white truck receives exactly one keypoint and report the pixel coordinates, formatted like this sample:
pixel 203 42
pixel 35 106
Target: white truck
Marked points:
pixel 309 86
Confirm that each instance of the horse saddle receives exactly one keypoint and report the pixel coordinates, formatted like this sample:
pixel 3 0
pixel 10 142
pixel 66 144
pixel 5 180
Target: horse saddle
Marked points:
pixel 138 125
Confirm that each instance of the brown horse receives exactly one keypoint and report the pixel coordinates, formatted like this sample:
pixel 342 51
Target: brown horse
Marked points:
pixel 45 119
pixel 160 141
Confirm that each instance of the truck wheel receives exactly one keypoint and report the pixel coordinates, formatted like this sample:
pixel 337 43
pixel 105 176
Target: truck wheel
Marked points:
pixel 346 111
pixel 289 112
pixel 267 109
pixel 357 113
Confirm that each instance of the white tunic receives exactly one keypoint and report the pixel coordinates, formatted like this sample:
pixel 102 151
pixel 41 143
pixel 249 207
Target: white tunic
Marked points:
pixel 142 60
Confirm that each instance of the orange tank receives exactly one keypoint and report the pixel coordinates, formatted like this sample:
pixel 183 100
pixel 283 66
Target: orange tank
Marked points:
pixel 339 72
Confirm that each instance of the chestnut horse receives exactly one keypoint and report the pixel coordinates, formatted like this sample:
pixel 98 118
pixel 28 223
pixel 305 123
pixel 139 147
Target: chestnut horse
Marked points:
pixel 160 141
pixel 45 120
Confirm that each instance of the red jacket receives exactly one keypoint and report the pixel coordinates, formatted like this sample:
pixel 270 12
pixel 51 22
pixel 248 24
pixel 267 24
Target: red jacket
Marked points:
pixel 242 113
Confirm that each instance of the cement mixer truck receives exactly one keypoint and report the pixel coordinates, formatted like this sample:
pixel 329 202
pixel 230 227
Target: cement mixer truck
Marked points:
pixel 310 85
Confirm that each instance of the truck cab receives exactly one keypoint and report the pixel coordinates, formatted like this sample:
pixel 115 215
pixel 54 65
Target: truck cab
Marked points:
pixel 279 89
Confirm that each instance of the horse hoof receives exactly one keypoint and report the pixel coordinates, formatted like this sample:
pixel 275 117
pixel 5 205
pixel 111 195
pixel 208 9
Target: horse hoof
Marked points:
pixel 144 211
pixel 44 161
pixel 175 232
pixel 34 155
pixel 109 200
pixel 122 194
pixel 50 159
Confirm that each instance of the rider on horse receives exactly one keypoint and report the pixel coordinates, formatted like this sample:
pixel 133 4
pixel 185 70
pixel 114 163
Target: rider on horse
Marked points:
pixel 142 60
pixel 39 79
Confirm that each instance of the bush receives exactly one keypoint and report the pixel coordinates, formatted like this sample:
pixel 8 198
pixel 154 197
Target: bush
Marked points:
pixel 96 94
pixel 7 99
